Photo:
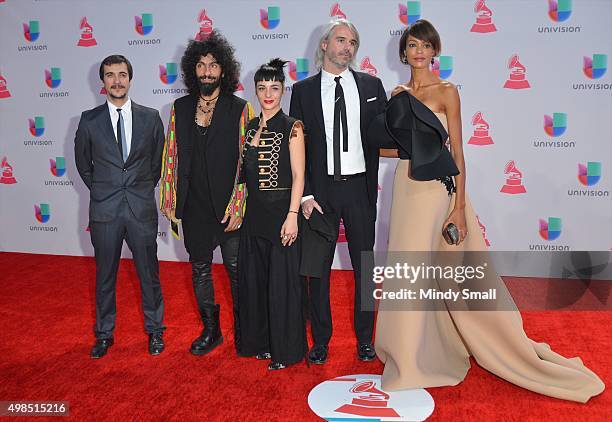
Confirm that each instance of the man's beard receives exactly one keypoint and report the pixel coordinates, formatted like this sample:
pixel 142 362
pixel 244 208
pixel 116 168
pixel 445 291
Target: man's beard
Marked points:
pixel 207 88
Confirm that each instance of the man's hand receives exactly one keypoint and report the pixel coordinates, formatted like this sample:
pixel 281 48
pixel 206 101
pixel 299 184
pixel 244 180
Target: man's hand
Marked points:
pixel 234 222
pixel 308 206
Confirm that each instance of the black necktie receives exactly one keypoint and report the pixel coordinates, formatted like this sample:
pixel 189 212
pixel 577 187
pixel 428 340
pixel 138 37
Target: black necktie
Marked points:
pixel 119 139
pixel 339 116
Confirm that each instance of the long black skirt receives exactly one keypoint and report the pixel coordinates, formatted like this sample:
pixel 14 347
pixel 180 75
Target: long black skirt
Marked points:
pixel 271 293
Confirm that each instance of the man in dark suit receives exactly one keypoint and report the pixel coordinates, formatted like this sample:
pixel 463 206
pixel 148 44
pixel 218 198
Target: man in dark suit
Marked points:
pixel 200 174
pixel 118 149
pixel 336 106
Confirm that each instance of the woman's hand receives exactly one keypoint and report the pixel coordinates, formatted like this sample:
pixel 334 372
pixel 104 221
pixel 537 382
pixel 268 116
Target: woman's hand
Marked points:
pixel 289 230
pixel 457 217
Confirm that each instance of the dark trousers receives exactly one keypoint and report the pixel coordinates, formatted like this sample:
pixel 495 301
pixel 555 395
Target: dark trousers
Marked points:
pixel 271 290
pixel 141 237
pixel 347 200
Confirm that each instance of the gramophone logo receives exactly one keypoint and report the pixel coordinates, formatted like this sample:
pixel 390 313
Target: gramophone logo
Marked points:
pixel 7 177
pixel 514 179
pixel 367 66
pixel 410 12
pixel 270 18
pixel 53 77
pixel 341 233
pixel 298 70
pixel 483 229
pixel 517 79
pixel 595 67
pixel 37 126
pixel 484 22
pixel 559 10
pixel 550 229
pixel 144 23
pixel 481 131
pixel 206 26
pixel 87 38
pixel 335 12
pixel 31 31
pixel 556 124
pixel 4 92
pixel 442 66
pixel 168 73
pixel 368 401
pixel 57 166
pixel 42 213
pixel 590 173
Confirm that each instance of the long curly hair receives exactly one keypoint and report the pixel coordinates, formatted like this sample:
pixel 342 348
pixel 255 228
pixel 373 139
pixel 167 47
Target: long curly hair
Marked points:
pixel 218 46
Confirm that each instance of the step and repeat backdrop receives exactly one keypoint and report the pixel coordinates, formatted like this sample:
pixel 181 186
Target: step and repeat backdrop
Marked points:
pixel 532 75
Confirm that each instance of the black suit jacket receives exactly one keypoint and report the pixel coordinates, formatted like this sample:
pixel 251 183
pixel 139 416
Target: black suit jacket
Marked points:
pixel 101 166
pixel 222 148
pixel 306 106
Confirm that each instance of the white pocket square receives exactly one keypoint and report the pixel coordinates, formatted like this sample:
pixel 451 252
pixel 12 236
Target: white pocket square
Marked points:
pixel 371 99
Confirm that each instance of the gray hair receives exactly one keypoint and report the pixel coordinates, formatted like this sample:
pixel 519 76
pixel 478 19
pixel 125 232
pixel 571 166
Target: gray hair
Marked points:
pixel 325 38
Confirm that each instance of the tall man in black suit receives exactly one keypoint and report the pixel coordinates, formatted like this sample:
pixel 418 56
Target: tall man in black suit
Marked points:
pixel 336 106
pixel 118 149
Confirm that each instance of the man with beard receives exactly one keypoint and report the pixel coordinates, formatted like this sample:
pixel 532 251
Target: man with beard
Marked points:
pixel 200 174
pixel 337 105
pixel 118 149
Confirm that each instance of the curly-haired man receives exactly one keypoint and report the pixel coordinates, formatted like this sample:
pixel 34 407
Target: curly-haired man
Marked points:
pixel 200 173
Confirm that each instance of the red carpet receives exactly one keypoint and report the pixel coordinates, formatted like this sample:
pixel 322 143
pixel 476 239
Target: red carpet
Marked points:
pixel 47 314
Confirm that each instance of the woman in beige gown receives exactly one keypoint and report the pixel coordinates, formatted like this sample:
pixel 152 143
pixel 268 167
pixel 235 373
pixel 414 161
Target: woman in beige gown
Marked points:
pixel 432 348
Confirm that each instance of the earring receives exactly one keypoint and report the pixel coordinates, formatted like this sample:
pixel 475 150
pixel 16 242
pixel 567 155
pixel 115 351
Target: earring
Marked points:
pixel 432 61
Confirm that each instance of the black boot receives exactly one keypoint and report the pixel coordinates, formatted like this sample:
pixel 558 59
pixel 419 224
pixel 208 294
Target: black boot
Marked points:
pixel 211 334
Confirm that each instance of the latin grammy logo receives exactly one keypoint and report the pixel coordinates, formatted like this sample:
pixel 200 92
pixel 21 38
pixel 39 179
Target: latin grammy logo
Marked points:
pixel 4 92
pixel 367 66
pixel 481 131
pixel 206 26
pixel 335 12
pixel 517 79
pixel 87 39
pixel 370 402
pixel 484 23
pixel 514 179
pixel 7 177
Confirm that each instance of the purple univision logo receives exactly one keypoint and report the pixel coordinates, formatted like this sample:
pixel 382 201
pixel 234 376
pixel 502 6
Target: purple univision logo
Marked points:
pixel 270 18
pixel 410 12
pixel 58 166
pixel 144 23
pixel 42 213
pixel 590 173
pixel 595 67
pixel 556 124
pixel 550 229
pixel 298 70
pixel 31 30
pixel 168 73
pixel 37 126
pixel 559 10
pixel 442 66
pixel 53 77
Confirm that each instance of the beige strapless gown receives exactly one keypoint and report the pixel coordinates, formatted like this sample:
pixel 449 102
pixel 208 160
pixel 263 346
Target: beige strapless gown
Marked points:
pixel 432 348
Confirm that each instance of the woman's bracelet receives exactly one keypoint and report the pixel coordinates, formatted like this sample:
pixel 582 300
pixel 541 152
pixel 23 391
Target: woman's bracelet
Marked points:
pixel 295 212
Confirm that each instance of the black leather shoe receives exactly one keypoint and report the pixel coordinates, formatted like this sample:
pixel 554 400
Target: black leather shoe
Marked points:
pixel 318 354
pixel 156 344
pixel 263 356
pixel 101 347
pixel 211 334
pixel 365 352
pixel 275 366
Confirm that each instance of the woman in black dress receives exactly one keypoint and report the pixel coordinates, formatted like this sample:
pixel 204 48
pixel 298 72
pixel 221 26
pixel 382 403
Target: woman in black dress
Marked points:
pixel 272 323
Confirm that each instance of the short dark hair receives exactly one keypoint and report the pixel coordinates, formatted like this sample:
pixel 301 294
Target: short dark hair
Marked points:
pixel 422 30
pixel 271 71
pixel 116 59
pixel 223 52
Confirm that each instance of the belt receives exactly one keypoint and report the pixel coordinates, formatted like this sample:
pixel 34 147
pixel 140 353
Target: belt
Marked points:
pixel 346 177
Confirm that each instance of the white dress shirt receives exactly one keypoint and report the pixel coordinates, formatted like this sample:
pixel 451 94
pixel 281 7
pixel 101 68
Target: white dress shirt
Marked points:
pixel 126 114
pixel 352 161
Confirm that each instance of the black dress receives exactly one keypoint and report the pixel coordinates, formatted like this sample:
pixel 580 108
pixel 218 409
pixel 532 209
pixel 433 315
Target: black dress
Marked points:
pixel 271 289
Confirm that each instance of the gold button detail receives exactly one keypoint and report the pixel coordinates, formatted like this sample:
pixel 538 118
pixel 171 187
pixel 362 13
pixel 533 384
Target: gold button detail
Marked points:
pixel 261 170
pixel 261 156
pixel 263 142
pixel 262 184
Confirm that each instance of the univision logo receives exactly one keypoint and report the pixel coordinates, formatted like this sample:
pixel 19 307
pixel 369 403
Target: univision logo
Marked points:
pixel 556 124
pixel 589 174
pixel 270 18
pixel 58 166
pixel 595 67
pixel 559 11
pixel 168 73
pixel 42 213
pixel 410 12
pixel 442 66
pixel 550 229
pixel 53 77
pixel 298 70
pixel 144 23
pixel 31 31
pixel 37 126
